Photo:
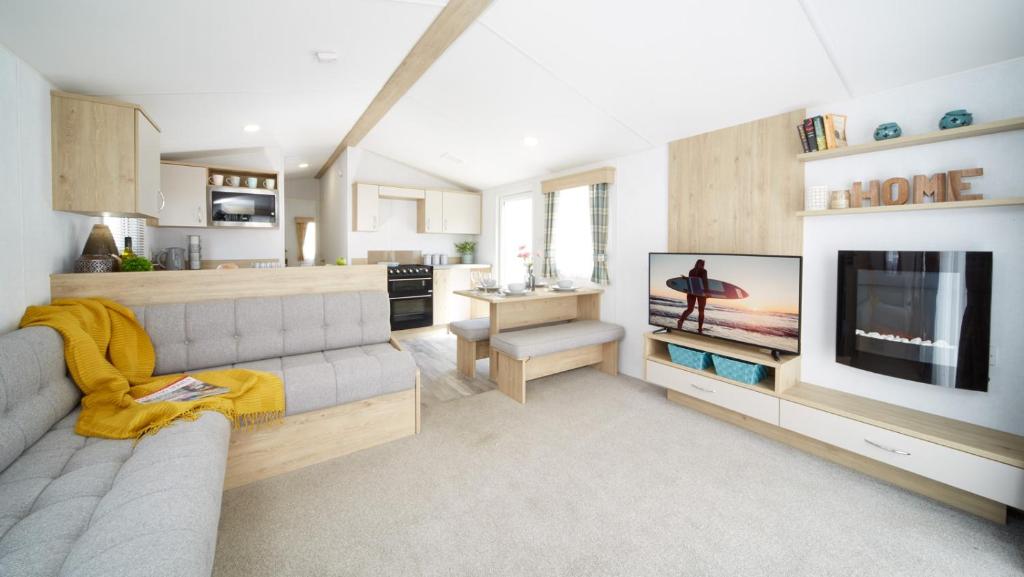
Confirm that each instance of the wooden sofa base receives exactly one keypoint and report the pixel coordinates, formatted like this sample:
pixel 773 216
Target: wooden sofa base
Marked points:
pixel 957 498
pixel 318 436
pixel 513 373
pixel 467 353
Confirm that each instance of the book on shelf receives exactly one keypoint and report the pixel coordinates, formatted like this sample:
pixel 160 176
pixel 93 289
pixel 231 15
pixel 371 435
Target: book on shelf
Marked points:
pixel 824 132
pixel 184 389
pixel 803 138
pixel 811 140
pixel 819 132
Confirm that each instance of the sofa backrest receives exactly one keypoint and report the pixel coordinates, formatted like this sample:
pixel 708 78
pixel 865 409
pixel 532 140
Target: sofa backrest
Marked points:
pixel 35 391
pixel 201 335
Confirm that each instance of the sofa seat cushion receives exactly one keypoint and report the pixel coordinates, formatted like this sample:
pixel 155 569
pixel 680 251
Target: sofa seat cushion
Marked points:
pixel 319 380
pixel 550 339
pixel 472 330
pixel 71 505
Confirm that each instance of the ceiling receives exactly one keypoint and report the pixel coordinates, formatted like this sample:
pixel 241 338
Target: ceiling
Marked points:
pixel 589 79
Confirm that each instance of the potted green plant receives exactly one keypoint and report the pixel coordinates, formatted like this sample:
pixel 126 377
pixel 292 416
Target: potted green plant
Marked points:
pixel 465 250
pixel 136 264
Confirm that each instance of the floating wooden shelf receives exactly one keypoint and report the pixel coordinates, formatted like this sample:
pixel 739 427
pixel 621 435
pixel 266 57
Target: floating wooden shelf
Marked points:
pixel 903 141
pixel 988 202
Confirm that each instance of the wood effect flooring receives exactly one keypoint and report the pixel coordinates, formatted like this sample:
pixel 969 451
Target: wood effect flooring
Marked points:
pixel 440 381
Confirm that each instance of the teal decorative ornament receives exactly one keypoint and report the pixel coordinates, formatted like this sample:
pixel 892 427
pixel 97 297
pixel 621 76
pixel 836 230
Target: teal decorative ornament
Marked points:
pixel 888 130
pixel 955 119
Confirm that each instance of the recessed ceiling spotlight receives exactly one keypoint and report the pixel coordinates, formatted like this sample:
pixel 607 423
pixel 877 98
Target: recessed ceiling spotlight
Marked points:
pixel 326 56
pixel 530 141
pixel 251 128
pixel 303 165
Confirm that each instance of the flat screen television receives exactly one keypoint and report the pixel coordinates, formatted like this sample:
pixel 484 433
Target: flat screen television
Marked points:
pixel 751 299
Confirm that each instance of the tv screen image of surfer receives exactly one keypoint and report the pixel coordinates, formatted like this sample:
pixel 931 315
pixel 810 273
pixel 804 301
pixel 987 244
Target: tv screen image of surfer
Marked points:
pixel 744 298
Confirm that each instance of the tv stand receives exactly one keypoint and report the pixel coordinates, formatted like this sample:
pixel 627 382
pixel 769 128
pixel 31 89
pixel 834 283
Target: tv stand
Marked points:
pixel 776 355
pixel 972 468
pixel 662 331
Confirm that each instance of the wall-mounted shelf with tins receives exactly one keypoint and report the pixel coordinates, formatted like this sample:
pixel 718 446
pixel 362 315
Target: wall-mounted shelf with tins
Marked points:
pixel 914 140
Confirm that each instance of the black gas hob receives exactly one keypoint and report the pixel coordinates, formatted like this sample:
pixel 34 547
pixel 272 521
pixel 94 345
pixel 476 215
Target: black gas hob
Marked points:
pixel 411 292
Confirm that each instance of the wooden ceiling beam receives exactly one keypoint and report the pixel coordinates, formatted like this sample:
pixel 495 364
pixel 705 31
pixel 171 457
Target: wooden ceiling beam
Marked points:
pixel 453 20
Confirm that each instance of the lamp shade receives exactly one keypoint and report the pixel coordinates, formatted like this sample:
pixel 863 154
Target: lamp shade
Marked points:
pixel 100 241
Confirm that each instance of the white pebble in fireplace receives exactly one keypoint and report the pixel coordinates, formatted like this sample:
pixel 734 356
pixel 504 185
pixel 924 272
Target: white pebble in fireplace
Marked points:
pixel 914 341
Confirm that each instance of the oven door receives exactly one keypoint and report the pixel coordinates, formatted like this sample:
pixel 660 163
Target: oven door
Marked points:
pixel 412 312
pixel 410 287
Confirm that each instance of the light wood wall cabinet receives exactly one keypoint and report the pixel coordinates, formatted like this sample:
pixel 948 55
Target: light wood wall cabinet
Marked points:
pixel 106 157
pixel 366 208
pixel 430 212
pixel 460 212
pixel 184 188
pixel 449 211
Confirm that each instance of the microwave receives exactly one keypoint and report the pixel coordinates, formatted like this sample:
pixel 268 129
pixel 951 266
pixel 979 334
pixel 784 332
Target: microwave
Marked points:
pixel 242 207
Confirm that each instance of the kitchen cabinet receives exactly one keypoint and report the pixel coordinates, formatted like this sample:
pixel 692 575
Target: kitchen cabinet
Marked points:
pixel 106 157
pixel 366 208
pixel 460 212
pixel 450 307
pixel 430 212
pixel 400 193
pixel 184 189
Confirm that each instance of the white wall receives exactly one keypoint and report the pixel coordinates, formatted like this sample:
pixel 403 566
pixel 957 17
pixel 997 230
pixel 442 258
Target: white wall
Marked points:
pixel 34 240
pixel 231 243
pixel 991 93
pixel 637 225
pixel 303 200
pixel 397 229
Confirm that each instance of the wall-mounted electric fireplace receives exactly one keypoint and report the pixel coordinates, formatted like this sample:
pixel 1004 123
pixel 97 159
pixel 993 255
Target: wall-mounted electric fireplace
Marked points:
pixel 921 316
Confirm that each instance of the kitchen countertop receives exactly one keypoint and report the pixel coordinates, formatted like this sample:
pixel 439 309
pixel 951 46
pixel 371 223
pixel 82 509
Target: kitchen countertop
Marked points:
pixel 460 265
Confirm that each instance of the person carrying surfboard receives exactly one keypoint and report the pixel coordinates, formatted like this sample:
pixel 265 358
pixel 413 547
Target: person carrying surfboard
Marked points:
pixel 698 280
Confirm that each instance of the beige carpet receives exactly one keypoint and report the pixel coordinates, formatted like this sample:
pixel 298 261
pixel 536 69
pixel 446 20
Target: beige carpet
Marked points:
pixel 596 476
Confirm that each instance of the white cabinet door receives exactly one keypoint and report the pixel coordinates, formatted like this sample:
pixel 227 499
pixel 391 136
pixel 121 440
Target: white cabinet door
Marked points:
pixel 147 167
pixel 461 213
pixel 366 208
pixel 432 211
pixel 184 190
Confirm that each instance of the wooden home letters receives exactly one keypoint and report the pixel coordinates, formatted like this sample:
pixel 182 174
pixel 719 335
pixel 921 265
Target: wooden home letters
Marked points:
pixel 941 187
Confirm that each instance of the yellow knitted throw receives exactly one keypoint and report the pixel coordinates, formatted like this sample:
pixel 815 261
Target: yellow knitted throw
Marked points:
pixel 111 358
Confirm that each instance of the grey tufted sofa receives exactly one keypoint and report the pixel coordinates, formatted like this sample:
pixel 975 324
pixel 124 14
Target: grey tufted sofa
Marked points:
pixel 84 507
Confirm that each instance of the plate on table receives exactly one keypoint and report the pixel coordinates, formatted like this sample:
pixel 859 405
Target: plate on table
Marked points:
pixel 506 293
pixel 559 289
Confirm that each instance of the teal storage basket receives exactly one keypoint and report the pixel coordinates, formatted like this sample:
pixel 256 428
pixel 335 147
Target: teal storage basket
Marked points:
pixel 689 357
pixel 749 373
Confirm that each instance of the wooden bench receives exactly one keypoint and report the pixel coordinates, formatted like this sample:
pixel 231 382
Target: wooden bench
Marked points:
pixel 530 354
pixel 472 344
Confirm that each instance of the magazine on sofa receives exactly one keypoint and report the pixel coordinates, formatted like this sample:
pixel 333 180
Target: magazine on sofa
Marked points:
pixel 183 389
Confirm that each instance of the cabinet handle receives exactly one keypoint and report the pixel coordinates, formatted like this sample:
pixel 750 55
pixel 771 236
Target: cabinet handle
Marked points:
pixel 375 223
pixel 700 388
pixel 163 199
pixel 884 448
pixel 199 214
pixel 428 223
pixel 445 224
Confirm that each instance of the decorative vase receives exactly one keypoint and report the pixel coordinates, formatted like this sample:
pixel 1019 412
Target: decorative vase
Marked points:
pixel 888 130
pixel 955 119
pixel 530 281
pixel 467 258
pixel 94 263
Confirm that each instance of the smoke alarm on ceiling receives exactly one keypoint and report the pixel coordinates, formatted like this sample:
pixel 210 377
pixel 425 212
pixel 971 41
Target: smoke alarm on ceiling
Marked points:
pixel 325 57
pixel 452 158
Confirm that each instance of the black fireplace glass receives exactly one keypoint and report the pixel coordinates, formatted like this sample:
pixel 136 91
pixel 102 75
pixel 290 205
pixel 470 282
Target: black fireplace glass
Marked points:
pixel 920 316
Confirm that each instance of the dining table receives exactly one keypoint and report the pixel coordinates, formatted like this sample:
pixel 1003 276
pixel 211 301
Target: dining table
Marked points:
pixel 543 305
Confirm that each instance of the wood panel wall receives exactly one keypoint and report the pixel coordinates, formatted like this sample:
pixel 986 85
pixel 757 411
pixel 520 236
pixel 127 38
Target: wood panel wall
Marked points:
pixel 184 286
pixel 738 189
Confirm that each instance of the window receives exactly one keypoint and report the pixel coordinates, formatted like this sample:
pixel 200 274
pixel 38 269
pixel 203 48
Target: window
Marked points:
pixel 572 241
pixel 515 230
pixel 133 227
